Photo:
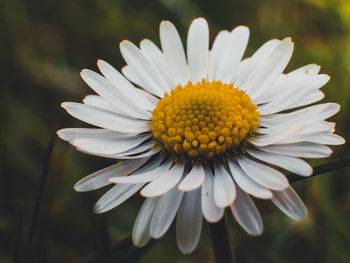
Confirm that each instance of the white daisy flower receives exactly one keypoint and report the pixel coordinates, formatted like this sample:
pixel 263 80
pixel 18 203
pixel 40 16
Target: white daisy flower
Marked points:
pixel 201 133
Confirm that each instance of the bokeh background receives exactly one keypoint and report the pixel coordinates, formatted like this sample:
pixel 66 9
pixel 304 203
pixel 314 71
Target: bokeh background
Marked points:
pixel 43 46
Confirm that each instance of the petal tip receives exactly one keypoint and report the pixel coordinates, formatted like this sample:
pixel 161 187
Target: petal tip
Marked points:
pixel 165 22
pixel 77 187
pixel 256 232
pixel 113 180
pixel 100 62
pixel 200 20
pixel 338 107
pixel 97 209
pixel 309 173
pixel 145 194
pixel 144 41
pixel 241 27
pixel 65 105
pixel 287 40
pixel 213 221
pixel 60 134
pixel 124 43
pixel 301 216
pixel 84 100
pixel 166 25
pixel 83 72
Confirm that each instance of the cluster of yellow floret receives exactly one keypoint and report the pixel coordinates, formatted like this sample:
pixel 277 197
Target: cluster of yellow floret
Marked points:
pixel 204 120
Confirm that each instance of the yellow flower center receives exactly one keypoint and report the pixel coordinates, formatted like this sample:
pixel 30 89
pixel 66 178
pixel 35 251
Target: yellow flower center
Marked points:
pixel 203 121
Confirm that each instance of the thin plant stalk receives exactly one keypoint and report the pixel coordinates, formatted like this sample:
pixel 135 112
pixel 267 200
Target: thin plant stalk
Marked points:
pixel 321 169
pixel 40 195
pixel 223 250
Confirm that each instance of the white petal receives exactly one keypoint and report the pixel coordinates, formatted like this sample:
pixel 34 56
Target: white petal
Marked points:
pixel 216 53
pixel 246 213
pixel 100 178
pixel 125 155
pixel 198 49
pixel 262 174
pixel 277 123
pixel 311 69
pixel 232 54
pixel 124 87
pixel 151 152
pixel 104 119
pixel 246 183
pixel 131 154
pixel 309 132
pixel 189 221
pixel 243 64
pixel 311 98
pixel 154 100
pixel 271 68
pixel 292 164
pixel 290 204
pixel 268 139
pixel 99 102
pixel 211 211
pixel 115 196
pixel 224 188
pixel 130 74
pixel 70 134
pixel 288 84
pixel 151 165
pixel 328 139
pixel 153 53
pixel 111 94
pixel 143 147
pixel 193 179
pixel 173 52
pixel 165 182
pixel 149 173
pixel 165 212
pixel 140 232
pixel 303 94
pixel 142 67
pixel 109 146
pixel 156 57
pixel 246 77
pixel 301 149
pixel 288 100
pixel 307 115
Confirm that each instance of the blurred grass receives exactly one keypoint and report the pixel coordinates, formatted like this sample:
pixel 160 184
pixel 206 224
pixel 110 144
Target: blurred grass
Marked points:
pixel 44 45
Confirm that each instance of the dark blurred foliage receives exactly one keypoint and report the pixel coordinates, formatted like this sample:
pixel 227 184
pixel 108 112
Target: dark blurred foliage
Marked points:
pixel 44 45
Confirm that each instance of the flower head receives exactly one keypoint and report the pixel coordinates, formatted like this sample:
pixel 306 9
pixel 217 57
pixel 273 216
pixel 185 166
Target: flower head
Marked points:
pixel 200 133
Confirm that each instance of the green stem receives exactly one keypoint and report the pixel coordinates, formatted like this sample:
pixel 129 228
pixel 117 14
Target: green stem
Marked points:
pixel 324 168
pixel 40 195
pixel 221 242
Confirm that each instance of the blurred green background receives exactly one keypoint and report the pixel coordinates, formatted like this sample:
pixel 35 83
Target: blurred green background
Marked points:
pixel 44 45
